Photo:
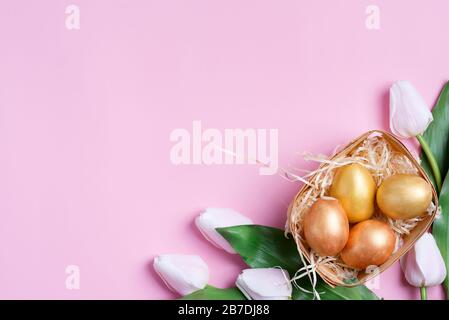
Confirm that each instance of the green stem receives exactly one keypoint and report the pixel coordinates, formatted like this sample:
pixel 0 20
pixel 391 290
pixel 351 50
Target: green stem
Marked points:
pixel 423 293
pixel 433 163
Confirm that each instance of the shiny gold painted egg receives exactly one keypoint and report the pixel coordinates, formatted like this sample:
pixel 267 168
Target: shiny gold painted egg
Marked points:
pixel 354 186
pixel 404 196
pixel 326 227
pixel 371 242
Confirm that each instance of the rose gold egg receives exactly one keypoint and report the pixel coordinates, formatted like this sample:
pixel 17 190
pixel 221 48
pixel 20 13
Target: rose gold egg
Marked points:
pixel 371 242
pixel 326 227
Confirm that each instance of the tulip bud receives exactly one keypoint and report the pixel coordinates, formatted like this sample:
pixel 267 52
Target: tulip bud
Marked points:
pixel 182 273
pixel 423 265
pixel 265 284
pixel 214 218
pixel 409 113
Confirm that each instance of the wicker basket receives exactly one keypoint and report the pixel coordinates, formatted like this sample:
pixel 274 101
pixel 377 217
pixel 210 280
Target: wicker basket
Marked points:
pixel 326 273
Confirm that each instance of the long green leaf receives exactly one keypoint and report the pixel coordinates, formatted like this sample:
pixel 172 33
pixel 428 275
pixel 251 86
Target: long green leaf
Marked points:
pixel 440 228
pixel 266 247
pixel 212 293
pixel 437 134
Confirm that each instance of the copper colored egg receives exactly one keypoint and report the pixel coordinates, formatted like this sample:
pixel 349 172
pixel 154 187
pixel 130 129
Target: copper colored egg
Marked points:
pixel 404 196
pixel 354 186
pixel 326 227
pixel 371 242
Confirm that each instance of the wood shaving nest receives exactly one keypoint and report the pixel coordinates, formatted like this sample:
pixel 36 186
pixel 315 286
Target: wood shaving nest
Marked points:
pixel 376 155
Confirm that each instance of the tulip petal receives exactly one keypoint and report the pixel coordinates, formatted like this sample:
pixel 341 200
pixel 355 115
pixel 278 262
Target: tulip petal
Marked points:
pixel 265 284
pixel 182 273
pixel 423 265
pixel 412 272
pixel 409 113
pixel 214 218
pixel 429 260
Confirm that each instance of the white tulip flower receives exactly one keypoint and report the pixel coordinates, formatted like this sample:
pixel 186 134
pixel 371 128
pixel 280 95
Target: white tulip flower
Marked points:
pixel 409 113
pixel 265 284
pixel 183 274
pixel 423 265
pixel 214 218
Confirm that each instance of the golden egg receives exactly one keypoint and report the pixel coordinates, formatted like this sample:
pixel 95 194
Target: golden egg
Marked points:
pixel 404 196
pixel 354 186
pixel 326 227
pixel 371 242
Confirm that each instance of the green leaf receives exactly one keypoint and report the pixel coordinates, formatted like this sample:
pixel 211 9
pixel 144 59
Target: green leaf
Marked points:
pixel 212 293
pixel 437 134
pixel 267 247
pixel 263 247
pixel 440 229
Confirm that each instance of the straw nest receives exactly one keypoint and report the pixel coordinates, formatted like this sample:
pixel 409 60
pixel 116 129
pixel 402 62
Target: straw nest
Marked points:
pixel 383 155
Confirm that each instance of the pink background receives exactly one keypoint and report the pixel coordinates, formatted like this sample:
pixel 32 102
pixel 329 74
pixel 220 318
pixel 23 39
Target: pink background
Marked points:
pixel 85 118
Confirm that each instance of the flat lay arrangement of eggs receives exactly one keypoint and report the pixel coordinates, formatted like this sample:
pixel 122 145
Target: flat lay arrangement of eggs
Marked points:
pixel 343 224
